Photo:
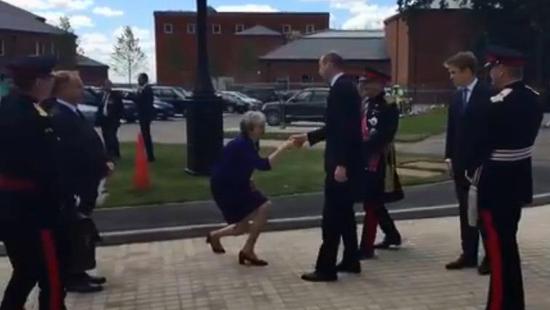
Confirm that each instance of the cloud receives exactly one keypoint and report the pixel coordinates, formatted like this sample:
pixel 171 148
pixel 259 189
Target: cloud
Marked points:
pixel 247 8
pixel 107 11
pixel 363 14
pixel 52 4
pixel 77 21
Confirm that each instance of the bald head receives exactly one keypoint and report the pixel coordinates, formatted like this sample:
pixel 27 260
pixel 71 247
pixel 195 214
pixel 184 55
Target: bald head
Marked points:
pixel 330 65
pixel 68 86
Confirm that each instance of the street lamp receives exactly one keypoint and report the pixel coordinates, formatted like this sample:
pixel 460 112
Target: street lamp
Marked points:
pixel 205 114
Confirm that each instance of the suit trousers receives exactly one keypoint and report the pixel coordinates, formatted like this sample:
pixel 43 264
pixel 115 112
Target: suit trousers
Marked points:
pixel 338 223
pixel 110 138
pixel 506 286
pixel 35 257
pixel 145 125
pixel 469 235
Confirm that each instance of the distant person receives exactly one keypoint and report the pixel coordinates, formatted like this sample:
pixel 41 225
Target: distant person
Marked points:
pixel 4 86
pixel 380 121
pixel 146 113
pixel 342 133
pixel 243 206
pixel 108 117
pixel 466 116
pixel 30 179
pixel 84 165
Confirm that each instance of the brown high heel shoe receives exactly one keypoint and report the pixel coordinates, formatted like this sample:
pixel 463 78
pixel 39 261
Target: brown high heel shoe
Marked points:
pixel 244 259
pixel 216 248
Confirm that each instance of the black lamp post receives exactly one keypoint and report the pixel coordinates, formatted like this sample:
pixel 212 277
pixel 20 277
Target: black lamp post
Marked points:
pixel 205 114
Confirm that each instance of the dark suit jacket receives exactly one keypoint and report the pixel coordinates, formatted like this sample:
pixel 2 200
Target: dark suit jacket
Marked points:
pixel 342 130
pixel 462 127
pixel 115 109
pixel 84 160
pixel 144 102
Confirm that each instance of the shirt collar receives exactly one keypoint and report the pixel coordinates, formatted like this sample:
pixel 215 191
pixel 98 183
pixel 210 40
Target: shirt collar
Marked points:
pixel 471 86
pixel 68 105
pixel 335 78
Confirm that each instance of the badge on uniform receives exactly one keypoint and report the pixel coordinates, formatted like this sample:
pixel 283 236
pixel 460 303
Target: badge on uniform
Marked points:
pixel 373 121
pixel 500 96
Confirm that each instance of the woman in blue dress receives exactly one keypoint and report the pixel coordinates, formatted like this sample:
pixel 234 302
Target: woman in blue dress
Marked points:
pixel 244 207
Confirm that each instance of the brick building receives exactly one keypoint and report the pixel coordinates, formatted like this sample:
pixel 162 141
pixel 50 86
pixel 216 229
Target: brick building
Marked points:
pixel 419 44
pixel 298 61
pixel 236 41
pixel 92 71
pixel 23 33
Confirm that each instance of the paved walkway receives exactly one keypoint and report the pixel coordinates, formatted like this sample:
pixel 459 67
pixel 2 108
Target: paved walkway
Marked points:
pixel 186 275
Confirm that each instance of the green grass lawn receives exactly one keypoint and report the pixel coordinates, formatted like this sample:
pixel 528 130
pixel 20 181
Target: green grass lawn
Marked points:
pixel 298 171
pixel 411 128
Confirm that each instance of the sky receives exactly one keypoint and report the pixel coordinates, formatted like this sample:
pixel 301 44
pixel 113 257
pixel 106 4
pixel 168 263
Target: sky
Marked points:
pixel 98 22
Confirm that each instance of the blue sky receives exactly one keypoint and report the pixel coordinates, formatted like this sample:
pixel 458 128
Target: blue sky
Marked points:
pixel 97 22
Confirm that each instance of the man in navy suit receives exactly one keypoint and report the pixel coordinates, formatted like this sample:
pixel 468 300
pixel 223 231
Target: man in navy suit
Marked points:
pixel 84 165
pixel 466 117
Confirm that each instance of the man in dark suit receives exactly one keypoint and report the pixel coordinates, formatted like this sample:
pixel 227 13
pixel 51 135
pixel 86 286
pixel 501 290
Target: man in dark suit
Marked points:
pixel 146 113
pixel 108 117
pixel 467 114
pixel 342 133
pixel 85 164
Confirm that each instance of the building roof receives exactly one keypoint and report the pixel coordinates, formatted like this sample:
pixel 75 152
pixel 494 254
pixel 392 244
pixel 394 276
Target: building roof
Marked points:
pixel 348 34
pixel 193 13
pixel 349 47
pixel 83 61
pixel 258 30
pixel 16 19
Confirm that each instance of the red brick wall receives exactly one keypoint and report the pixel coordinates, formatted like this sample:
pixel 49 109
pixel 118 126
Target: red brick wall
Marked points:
pixel 176 52
pixel 294 70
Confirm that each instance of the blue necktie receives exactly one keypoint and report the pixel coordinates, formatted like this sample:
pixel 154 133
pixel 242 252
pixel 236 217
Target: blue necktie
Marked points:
pixel 465 99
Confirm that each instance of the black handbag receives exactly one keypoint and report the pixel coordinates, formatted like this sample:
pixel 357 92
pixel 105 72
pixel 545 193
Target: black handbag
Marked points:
pixel 82 239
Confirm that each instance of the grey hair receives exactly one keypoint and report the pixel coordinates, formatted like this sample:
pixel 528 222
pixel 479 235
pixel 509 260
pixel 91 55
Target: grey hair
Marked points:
pixel 251 119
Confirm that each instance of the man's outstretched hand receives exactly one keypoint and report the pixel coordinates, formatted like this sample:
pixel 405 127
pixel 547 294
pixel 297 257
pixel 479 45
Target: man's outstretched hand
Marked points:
pixel 299 140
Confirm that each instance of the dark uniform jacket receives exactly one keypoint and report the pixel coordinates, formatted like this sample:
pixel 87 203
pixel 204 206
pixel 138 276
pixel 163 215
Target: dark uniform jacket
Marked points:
pixel 83 155
pixel 115 109
pixel 29 169
pixel 380 121
pixel 464 126
pixel 503 148
pixel 144 102
pixel 342 130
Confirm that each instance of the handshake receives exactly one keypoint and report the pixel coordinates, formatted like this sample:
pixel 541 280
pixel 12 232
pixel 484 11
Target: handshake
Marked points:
pixel 296 141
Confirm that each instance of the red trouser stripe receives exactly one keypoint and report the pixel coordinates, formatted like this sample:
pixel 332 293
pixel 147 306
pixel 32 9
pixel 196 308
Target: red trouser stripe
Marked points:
pixel 495 259
pixel 370 226
pixel 52 265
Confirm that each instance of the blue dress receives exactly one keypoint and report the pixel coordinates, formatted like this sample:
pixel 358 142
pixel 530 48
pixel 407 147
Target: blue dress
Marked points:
pixel 230 181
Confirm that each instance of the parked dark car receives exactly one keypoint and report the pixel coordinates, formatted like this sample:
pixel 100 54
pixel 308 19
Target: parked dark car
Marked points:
pixel 173 95
pixel 308 105
pixel 239 102
pixel 163 110
pixel 262 94
pixel 92 97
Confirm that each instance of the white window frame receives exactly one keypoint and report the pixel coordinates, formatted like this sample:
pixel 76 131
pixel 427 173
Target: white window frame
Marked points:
pixel 310 28
pixel 239 28
pixel 218 26
pixel 191 28
pixel 168 28
pixel 287 28
pixel 2 48
pixel 36 48
pixel 52 48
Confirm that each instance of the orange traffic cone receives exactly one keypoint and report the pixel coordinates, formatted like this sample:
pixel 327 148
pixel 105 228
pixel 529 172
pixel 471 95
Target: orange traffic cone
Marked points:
pixel 142 181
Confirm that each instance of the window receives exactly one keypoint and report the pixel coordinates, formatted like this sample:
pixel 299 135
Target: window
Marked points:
pixel 287 29
pixel 191 28
pixel 2 48
pixel 52 49
pixel 168 28
pixel 39 48
pixel 216 29
pixel 310 28
pixel 239 28
pixel 303 96
pixel 320 96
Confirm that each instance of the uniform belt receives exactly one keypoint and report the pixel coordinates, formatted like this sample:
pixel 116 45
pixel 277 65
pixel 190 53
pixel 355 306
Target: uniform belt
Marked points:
pixel 14 184
pixel 512 155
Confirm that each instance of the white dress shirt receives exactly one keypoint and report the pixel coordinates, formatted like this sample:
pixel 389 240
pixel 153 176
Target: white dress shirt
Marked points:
pixel 470 89
pixel 335 78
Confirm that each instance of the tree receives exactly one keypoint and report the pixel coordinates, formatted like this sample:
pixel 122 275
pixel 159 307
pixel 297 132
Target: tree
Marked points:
pixel 128 57
pixel 65 24
pixel 521 24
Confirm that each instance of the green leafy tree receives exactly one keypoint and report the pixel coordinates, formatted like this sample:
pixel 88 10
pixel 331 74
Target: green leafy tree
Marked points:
pixel 128 57
pixel 521 24
pixel 65 24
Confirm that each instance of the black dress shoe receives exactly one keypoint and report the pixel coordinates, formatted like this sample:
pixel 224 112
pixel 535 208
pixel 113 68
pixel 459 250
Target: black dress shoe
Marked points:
pixel 96 280
pixel 349 268
pixel 388 243
pixel 83 288
pixel 484 269
pixel 319 277
pixel 461 263
pixel 366 255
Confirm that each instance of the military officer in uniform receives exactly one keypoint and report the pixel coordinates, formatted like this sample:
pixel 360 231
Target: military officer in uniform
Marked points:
pixel 380 120
pixel 30 201
pixel 502 173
